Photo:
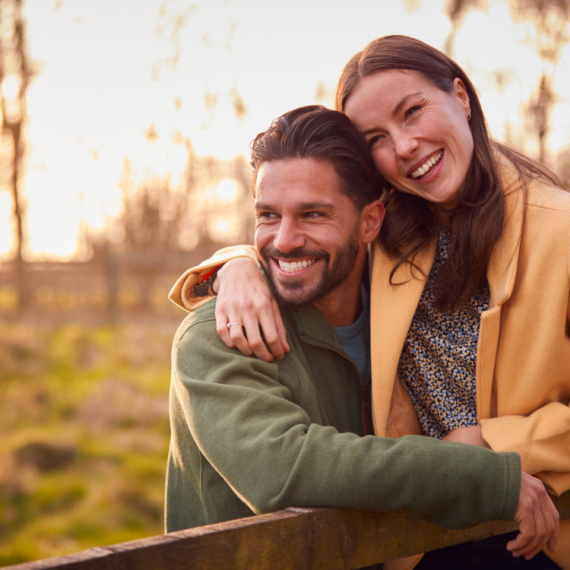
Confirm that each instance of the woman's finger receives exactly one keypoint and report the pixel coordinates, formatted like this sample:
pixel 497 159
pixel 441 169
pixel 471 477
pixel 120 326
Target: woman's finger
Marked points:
pixel 245 298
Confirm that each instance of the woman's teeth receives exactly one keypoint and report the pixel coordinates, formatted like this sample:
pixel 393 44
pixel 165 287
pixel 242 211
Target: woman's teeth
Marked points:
pixel 427 166
pixel 291 267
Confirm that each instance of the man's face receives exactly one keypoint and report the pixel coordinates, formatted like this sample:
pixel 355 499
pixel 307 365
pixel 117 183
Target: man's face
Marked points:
pixel 307 230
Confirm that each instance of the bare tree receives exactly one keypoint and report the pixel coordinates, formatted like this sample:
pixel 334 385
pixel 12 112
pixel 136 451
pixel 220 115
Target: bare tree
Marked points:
pixel 15 75
pixel 456 10
pixel 149 223
pixel 550 20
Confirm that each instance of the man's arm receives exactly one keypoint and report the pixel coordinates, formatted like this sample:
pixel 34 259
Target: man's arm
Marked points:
pixel 272 456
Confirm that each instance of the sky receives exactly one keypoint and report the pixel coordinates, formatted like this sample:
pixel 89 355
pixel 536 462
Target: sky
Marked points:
pixel 112 72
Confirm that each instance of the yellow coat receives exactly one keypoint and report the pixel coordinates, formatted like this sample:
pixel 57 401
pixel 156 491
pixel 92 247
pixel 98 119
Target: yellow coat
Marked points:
pixel 523 356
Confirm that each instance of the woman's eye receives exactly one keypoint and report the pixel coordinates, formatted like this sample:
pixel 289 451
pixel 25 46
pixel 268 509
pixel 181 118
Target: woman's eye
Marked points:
pixel 412 110
pixel 373 141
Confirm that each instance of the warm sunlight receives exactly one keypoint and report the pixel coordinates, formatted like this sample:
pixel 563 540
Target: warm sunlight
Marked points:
pixel 125 162
pixel 147 81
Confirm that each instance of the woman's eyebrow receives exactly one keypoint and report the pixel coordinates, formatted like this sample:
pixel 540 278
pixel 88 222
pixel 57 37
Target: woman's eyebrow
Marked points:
pixel 403 102
pixel 395 111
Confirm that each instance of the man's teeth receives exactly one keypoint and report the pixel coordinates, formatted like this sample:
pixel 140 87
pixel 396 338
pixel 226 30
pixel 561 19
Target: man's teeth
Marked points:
pixel 291 267
pixel 425 167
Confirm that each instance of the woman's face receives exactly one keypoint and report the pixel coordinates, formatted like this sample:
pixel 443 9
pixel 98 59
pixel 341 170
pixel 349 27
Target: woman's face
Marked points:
pixel 418 134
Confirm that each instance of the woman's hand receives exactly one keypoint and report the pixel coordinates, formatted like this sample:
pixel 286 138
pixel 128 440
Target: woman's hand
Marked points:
pixel 470 434
pixel 537 517
pixel 245 298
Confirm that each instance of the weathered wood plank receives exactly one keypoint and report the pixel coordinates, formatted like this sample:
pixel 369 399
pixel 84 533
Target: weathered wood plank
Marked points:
pixel 293 538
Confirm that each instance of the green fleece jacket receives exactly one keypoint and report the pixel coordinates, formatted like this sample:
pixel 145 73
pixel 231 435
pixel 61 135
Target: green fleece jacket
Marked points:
pixel 251 437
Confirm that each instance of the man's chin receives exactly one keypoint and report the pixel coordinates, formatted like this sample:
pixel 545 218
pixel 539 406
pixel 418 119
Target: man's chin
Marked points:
pixel 291 298
pixel 292 295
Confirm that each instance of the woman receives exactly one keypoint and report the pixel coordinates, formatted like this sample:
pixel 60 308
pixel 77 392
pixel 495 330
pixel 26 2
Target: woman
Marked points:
pixel 470 280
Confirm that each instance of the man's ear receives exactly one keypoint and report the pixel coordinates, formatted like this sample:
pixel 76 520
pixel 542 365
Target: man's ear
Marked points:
pixel 371 221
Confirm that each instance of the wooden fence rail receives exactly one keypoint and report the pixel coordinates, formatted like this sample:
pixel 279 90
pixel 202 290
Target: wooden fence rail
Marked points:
pixel 299 539
pixel 111 285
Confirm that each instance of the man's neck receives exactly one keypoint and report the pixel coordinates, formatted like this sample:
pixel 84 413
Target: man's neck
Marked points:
pixel 342 306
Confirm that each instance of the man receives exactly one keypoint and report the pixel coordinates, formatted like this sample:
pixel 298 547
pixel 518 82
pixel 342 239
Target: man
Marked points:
pixel 250 436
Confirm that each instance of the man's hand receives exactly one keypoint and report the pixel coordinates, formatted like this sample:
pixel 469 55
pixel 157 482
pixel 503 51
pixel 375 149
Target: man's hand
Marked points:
pixel 244 298
pixel 537 517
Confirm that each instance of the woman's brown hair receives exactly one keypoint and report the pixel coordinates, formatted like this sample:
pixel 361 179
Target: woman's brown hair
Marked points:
pixel 410 222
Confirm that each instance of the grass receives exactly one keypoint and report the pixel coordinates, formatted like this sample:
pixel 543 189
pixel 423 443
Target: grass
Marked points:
pixel 84 435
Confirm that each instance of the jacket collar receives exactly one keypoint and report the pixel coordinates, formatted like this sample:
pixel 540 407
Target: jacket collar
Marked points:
pixel 312 326
pixel 502 269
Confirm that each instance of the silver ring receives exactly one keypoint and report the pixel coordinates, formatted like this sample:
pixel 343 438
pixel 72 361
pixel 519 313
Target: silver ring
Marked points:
pixel 230 325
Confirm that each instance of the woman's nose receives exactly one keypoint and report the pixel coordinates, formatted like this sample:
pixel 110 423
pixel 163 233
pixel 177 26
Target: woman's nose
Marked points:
pixel 405 144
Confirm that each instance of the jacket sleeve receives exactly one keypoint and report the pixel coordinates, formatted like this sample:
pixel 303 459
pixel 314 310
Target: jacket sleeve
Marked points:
pixel 542 437
pixel 182 293
pixel 272 456
pixel 542 440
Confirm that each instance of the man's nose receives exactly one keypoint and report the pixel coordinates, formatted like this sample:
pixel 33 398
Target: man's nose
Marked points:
pixel 289 236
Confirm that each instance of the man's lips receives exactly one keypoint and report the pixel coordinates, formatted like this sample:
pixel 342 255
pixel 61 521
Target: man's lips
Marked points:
pixel 294 266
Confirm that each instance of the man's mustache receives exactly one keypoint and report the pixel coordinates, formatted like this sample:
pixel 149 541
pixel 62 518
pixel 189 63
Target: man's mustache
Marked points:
pixel 300 252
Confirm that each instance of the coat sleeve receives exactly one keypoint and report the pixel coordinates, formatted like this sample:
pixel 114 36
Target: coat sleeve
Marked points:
pixel 182 293
pixel 531 373
pixel 542 438
pixel 273 456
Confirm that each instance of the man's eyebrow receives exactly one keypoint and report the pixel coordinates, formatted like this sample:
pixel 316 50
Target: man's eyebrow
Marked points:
pixel 301 206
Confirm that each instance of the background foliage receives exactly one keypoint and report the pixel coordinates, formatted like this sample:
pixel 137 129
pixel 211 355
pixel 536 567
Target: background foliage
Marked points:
pixel 83 435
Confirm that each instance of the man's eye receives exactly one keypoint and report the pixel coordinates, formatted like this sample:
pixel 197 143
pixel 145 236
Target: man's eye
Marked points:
pixel 266 216
pixel 313 214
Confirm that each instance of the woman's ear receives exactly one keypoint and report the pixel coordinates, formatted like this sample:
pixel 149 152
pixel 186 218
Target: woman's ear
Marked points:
pixel 371 221
pixel 461 93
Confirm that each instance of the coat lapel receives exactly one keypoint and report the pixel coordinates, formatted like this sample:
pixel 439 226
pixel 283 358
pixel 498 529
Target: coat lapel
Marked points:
pixel 392 309
pixel 501 275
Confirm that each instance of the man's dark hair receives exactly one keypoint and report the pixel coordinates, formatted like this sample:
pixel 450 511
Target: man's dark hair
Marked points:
pixel 321 134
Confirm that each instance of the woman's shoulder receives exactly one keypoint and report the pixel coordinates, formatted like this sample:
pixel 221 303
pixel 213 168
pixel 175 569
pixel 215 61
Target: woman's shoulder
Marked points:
pixel 521 175
pixel 547 196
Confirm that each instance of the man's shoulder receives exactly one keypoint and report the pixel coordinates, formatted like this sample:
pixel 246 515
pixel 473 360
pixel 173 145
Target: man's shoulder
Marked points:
pixel 201 320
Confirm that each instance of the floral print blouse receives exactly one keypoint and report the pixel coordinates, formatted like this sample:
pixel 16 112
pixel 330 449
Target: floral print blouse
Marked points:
pixel 437 364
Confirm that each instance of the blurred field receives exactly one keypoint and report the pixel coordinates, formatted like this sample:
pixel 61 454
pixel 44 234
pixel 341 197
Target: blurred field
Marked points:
pixel 83 434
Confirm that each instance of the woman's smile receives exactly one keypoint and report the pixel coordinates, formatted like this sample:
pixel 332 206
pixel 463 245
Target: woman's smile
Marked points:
pixel 427 167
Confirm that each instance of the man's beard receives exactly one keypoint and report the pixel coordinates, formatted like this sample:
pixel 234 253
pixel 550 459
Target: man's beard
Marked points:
pixel 297 293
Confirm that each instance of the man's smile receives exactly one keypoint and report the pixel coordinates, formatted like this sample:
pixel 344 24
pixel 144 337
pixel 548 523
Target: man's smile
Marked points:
pixel 295 266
